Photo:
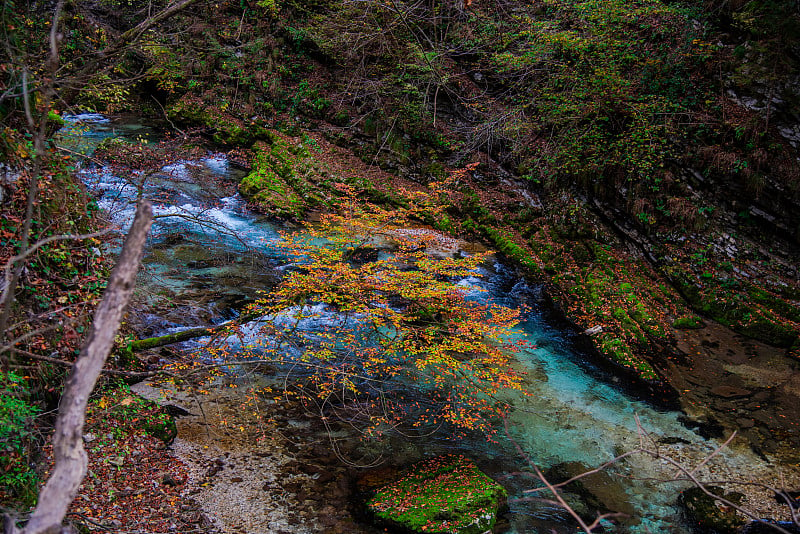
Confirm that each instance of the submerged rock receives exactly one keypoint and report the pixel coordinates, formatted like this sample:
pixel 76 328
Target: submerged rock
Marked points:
pixel 446 494
pixel 709 515
pixel 600 492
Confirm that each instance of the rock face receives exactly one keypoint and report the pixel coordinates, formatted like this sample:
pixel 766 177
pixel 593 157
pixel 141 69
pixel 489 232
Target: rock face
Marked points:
pixel 442 495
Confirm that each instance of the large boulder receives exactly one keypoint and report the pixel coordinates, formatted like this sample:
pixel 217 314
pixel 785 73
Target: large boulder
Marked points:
pixel 442 495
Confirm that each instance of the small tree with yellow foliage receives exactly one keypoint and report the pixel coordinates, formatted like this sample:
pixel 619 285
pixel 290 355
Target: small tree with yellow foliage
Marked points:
pixel 401 344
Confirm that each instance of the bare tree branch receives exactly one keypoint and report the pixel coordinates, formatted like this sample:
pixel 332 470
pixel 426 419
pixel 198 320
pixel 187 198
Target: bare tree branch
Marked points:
pixel 39 155
pixel 138 375
pixel 124 41
pixel 688 475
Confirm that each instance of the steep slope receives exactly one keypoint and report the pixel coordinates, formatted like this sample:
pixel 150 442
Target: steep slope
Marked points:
pixel 640 158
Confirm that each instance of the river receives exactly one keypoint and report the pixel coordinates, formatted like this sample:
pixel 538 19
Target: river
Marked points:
pixel 208 253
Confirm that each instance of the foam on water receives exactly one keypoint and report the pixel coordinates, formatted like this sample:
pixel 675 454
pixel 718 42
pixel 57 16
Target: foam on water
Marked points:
pixel 228 221
pixel 218 164
pixel 93 118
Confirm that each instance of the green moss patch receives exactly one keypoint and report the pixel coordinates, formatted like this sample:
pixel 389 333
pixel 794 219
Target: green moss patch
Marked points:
pixel 688 322
pixel 744 308
pixel 226 129
pixel 620 352
pixel 446 494
pixel 292 176
pixel 285 180
pixel 121 415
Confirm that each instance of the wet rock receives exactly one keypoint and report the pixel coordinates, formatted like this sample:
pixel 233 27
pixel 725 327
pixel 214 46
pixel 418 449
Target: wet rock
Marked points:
pixel 791 498
pixel 708 429
pixel 710 515
pixel 671 440
pixel 768 527
pixel 176 411
pixel 169 480
pixel 730 392
pixel 293 486
pixel 363 255
pixel 764 417
pixel 745 423
pixel 600 491
pixel 324 476
pixel 311 469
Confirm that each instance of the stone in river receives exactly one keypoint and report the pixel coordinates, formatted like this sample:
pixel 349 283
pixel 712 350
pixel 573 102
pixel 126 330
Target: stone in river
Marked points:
pixel 446 494
pixel 744 422
pixel 710 515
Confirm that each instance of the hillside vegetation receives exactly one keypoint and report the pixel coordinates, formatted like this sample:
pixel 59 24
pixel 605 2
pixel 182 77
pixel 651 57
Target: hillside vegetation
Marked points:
pixel 640 159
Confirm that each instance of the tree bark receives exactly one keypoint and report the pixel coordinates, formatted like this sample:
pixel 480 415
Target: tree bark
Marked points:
pixel 186 335
pixel 70 457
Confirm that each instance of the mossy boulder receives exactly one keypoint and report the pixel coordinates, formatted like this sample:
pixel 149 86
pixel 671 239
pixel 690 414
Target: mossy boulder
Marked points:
pixel 128 414
pixel 709 515
pixel 285 179
pixel 688 322
pixel 751 311
pixel 161 425
pixel 446 494
pixel 508 247
pixel 618 351
pixel 225 129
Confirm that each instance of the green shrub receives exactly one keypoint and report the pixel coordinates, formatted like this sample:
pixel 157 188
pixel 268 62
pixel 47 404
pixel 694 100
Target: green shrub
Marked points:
pixel 18 481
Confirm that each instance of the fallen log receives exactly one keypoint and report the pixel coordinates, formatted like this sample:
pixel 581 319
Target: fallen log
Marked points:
pixel 185 335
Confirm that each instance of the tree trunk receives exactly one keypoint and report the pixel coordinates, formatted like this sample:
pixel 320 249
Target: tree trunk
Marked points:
pixel 186 335
pixel 70 457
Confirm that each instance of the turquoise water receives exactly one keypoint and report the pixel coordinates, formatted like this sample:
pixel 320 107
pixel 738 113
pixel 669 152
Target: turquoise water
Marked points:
pixel 208 250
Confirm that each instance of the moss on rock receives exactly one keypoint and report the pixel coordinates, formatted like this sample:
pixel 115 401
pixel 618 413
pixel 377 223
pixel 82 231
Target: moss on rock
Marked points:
pixel 709 515
pixel 620 352
pixel 446 494
pixel 688 322
pixel 285 180
pixel 746 312
pixel 226 129
pixel 128 413
pixel 292 176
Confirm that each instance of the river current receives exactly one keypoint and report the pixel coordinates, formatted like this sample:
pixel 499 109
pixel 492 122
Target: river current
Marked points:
pixel 208 252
